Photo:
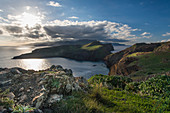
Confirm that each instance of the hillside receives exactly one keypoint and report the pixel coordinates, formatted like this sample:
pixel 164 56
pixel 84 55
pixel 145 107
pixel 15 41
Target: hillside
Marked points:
pixel 94 51
pixel 140 60
pixel 56 90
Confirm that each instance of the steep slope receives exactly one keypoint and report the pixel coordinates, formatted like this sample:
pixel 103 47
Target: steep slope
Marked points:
pixel 140 59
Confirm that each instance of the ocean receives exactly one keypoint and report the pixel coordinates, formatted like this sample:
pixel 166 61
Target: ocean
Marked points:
pixel 79 68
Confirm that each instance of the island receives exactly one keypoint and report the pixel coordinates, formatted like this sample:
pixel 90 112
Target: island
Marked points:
pixel 94 51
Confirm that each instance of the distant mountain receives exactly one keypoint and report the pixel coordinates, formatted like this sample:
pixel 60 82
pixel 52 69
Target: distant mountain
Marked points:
pixel 59 43
pixel 71 42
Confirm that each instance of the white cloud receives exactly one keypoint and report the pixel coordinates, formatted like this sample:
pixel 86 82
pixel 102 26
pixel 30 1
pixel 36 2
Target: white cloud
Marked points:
pixel 26 19
pixel 165 40
pixel 1 10
pixel 27 7
pixel 166 34
pixel 146 35
pixel 73 17
pixel 54 4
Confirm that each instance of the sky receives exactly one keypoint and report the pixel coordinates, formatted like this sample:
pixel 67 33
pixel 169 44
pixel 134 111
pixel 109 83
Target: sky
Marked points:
pixel 120 21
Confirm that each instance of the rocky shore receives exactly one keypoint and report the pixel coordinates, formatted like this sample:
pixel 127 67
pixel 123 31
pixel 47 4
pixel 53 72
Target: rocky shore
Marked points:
pixel 38 89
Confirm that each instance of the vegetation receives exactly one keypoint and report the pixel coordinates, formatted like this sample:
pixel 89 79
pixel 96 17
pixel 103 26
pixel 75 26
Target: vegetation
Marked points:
pixel 151 63
pixel 9 103
pixel 110 81
pixel 91 48
pixel 136 97
pixel 22 109
pixel 108 94
pixel 137 54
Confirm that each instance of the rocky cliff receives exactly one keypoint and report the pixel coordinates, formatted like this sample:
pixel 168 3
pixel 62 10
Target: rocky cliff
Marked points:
pixel 140 58
pixel 94 51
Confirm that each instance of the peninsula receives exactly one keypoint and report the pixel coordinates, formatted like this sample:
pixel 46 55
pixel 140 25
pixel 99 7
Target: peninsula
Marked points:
pixel 94 51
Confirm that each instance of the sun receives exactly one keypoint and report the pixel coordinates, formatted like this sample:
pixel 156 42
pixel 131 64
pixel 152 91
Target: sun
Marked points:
pixel 28 19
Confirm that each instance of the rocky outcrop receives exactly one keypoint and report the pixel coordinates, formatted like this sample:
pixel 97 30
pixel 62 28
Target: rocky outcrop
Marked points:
pixel 94 51
pixel 40 89
pixel 118 63
pixel 165 47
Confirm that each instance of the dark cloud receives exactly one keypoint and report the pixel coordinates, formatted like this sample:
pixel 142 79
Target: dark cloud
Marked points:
pixel 34 32
pixel 96 32
pixel 13 29
pixel 76 32
pixel 1 32
pixel 34 35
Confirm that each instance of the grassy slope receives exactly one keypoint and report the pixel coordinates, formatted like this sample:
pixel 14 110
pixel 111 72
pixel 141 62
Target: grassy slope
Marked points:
pixel 151 63
pixel 100 99
pixel 90 48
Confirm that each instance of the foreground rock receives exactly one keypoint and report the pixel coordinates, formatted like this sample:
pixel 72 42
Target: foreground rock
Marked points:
pixel 94 51
pixel 39 89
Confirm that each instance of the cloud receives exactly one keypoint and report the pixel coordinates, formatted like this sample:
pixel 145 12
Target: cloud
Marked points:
pixel 13 29
pixel 3 19
pixel 26 19
pixel 1 32
pixel 75 30
pixel 166 34
pixel 35 32
pixel 54 4
pixel 28 7
pixel 146 35
pixel 73 17
pixel 165 40
pixel 98 30
pixel 1 10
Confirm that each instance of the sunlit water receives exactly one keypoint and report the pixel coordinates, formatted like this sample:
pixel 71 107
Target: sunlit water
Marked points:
pixel 79 68
pixel 86 69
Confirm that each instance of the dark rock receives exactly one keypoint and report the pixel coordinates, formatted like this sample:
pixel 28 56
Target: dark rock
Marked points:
pixel 10 95
pixel 15 71
pixel 5 83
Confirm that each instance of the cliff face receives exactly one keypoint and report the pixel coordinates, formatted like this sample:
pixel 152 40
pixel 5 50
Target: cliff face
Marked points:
pixel 131 60
pixel 94 51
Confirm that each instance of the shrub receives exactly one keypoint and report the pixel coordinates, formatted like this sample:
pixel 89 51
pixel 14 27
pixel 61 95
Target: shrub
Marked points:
pixel 133 86
pixel 158 86
pixel 110 81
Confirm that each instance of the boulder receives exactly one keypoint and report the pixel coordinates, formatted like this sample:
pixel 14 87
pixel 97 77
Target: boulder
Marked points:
pixel 54 98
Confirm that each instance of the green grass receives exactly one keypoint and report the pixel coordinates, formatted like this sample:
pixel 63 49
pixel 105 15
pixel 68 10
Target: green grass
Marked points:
pixel 151 64
pixel 137 54
pixel 103 100
pixel 91 48
pixel 100 99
